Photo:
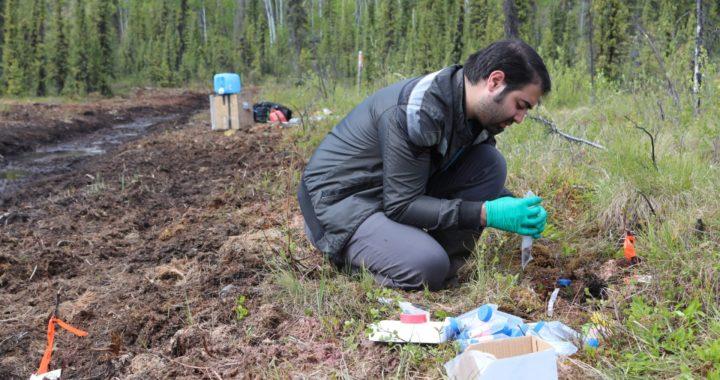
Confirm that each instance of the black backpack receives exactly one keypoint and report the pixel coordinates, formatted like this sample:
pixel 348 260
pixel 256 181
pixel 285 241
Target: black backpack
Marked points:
pixel 261 111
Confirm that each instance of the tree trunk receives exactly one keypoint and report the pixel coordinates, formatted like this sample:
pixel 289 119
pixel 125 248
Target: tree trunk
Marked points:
pixel 271 20
pixel 458 40
pixel 591 47
pixel 182 19
pixel 203 19
pixel 238 20
pixel 511 19
pixel 697 76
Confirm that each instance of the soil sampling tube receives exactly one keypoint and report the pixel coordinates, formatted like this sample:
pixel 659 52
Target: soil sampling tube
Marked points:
pixel 526 245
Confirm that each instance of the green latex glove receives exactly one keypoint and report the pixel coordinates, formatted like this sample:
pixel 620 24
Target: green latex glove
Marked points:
pixel 524 216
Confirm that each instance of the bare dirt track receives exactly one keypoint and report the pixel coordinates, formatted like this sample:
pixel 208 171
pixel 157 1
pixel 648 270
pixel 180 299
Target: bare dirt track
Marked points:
pixel 149 245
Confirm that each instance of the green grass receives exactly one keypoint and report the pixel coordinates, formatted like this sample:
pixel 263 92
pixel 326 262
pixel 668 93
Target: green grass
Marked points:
pixel 669 328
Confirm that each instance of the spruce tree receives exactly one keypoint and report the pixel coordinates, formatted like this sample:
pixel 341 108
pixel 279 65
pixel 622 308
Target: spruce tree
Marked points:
pixel 181 17
pixel 298 28
pixel 2 29
pixel 103 26
pixel 13 68
pixel 457 47
pixel 36 49
pixel 388 31
pixel 611 34
pixel 77 80
pixel 57 50
pixel 477 28
pixel 560 43
pixel 424 62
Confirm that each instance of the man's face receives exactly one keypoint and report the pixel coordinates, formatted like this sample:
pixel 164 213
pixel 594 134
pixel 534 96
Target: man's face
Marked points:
pixel 495 110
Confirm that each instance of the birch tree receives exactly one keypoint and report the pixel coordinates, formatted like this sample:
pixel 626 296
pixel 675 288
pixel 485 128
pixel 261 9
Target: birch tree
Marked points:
pixel 697 76
pixel 271 20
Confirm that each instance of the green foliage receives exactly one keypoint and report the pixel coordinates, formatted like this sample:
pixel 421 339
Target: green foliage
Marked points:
pixel 57 50
pixel 241 311
pixel 78 77
pixel 611 30
pixel 88 45
pixel 36 56
pixel 101 60
pixel 13 79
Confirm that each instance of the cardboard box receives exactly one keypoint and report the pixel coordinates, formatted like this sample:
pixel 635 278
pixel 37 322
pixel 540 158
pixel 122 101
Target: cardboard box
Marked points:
pixel 525 357
pixel 226 112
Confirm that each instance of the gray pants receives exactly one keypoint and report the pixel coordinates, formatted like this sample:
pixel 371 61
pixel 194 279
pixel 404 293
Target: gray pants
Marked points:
pixel 408 257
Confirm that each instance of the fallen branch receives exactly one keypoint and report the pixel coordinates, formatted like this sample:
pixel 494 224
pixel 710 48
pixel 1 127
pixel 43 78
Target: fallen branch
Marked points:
pixel 554 129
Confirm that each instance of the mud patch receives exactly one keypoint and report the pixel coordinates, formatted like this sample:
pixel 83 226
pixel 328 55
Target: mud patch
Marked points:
pixel 142 240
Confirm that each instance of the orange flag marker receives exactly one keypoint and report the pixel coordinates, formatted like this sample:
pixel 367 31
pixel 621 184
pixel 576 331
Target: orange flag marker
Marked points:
pixel 629 247
pixel 45 362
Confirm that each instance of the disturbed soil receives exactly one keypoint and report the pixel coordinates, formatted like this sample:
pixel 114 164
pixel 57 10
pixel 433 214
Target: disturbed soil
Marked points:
pixel 151 245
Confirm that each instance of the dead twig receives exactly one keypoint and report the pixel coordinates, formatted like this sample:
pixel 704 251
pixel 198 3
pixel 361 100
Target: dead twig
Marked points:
pixel 652 141
pixel 652 209
pixel 16 318
pixel 554 129
pixel 57 303
pixel 179 362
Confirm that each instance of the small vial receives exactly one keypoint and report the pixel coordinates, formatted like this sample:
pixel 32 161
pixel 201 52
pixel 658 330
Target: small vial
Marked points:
pixel 526 245
pixel 484 329
pixel 454 325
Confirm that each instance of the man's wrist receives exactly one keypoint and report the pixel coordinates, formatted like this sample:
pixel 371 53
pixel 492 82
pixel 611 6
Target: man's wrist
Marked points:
pixel 483 216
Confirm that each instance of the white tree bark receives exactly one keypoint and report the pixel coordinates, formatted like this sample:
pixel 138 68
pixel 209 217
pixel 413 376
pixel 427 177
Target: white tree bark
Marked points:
pixel 203 20
pixel 697 76
pixel 122 18
pixel 358 13
pixel 271 19
pixel 280 9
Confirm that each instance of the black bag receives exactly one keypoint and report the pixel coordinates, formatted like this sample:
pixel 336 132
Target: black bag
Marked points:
pixel 261 111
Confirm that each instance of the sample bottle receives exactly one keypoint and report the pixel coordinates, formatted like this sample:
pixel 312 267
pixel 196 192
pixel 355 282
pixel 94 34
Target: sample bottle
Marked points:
pixel 454 325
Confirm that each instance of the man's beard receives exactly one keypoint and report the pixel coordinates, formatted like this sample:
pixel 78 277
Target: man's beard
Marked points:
pixel 494 129
pixel 492 114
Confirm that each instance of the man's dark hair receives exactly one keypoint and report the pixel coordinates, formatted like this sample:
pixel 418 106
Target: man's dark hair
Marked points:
pixel 519 61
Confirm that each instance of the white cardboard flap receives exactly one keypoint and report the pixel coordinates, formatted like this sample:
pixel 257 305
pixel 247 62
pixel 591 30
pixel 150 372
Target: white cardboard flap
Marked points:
pixel 523 358
pixel 398 332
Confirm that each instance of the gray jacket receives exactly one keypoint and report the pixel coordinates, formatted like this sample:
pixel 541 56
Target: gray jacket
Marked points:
pixel 381 156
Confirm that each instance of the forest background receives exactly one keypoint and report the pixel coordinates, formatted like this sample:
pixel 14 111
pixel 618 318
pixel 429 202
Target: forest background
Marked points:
pixel 74 47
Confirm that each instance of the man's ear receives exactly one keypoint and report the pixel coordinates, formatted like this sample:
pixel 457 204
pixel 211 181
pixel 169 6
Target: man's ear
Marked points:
pixel 495 81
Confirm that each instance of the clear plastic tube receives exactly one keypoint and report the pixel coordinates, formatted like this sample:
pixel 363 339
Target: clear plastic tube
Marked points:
pixel 526 245
pixel 484 329
pixel 463 322
pixel 515 325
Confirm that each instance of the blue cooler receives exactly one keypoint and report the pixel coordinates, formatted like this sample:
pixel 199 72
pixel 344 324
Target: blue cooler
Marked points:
pixel 227 83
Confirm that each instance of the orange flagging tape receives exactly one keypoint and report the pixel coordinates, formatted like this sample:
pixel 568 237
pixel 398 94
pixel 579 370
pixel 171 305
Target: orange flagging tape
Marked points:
pixel 629 246
pixel 45 362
